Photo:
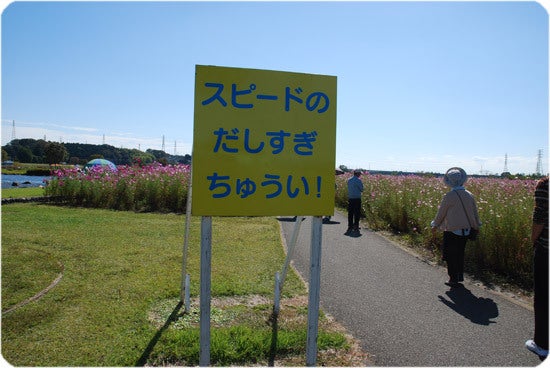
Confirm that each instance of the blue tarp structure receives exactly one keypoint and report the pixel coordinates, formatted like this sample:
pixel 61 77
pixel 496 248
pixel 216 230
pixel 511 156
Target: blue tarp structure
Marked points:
pixel 100 162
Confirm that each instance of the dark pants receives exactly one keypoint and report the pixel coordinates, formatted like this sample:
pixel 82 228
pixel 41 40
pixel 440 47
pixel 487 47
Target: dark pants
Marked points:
pixel 541 296
pixel 453 253
pixel 354 212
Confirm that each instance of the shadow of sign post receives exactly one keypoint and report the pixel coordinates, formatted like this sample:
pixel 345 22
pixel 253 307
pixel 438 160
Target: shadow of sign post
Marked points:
pixel 145 355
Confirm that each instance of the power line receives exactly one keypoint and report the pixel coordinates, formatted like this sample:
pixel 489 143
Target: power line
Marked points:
pixel 53 129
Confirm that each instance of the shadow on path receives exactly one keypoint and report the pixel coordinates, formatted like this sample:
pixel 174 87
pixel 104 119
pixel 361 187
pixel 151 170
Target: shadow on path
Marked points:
pixel 478 310
pixel 288 219
pixel 293 219
pixel 354 234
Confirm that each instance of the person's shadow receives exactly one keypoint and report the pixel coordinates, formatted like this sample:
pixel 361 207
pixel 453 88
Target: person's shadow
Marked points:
pixel 478 310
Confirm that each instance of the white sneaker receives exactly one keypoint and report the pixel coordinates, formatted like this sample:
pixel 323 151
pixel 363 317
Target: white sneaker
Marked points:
pixel 531 345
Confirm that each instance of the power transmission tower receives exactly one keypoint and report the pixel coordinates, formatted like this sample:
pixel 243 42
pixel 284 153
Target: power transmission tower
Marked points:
pixel 174 148
pixel 505 163
pixel 103 138
pixel 163 146
pixel 539 162
pixel 13 131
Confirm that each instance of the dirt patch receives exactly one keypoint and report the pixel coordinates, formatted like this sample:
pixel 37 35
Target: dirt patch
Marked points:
pixel 258 310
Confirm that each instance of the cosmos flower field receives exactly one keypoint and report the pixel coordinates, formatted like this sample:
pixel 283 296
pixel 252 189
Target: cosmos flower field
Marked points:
pixel 403 205
pixel 407 204
pixel 150 188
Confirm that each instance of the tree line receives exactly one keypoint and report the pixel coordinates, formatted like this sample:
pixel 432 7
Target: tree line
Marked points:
pixel 30 150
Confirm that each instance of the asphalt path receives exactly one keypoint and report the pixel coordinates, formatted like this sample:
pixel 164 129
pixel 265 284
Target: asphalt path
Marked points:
pixel 401 311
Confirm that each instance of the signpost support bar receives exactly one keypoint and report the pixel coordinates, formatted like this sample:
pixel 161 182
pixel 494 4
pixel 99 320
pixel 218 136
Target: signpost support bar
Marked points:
pixel 291 246
pixel 314 291
pixel 187 293
pixel 277 302
pixel 186 244
pixel 206 272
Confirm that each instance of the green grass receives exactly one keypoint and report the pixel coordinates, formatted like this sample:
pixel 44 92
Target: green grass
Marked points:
pixel 22 168
pixel 241 336
pixel 27 274
pixel 121 267
pixel 22 192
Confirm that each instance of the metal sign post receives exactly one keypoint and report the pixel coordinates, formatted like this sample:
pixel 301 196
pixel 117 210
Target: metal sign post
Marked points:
pixel 264 144
pixel 184 276
pixel 314 290
pixel 205 297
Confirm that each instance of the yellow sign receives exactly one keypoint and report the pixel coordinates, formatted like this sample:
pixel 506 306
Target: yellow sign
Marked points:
pixel 264 143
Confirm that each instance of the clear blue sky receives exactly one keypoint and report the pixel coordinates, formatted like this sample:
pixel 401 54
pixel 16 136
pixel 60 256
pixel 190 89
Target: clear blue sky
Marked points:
pixel 422 86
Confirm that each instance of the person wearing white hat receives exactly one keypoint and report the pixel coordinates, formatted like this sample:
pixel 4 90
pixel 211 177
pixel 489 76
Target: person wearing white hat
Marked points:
pixel 456 216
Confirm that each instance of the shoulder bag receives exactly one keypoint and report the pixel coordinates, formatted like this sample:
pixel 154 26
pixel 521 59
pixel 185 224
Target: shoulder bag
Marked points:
pixel 473 232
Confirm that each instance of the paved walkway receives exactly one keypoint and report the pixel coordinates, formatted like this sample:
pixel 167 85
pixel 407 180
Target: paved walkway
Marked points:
pixel 400 309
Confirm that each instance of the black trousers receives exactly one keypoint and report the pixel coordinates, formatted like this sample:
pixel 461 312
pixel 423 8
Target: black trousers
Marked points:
pixel 453 253
pixel 354 213
pixel 541 296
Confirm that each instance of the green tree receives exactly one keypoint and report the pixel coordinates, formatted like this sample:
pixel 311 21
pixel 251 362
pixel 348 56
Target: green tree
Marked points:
pixel 158 154
pixel 56 153
pixel 24 154
pixel 38 149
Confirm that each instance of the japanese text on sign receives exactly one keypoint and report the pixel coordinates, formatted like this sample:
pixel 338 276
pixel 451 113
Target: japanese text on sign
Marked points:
pixel 316 101
pixel 264 149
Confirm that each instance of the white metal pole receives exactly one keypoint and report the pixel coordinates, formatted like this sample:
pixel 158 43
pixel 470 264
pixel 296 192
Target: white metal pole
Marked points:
pixel 186 239
pixel 276 304
pixel 291 247
pixel 187 293
pixel 314 290
pixel 206 268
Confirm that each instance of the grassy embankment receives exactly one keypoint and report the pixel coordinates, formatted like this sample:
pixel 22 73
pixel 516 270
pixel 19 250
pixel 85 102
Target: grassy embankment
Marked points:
pixel 19 168
pixel 22 192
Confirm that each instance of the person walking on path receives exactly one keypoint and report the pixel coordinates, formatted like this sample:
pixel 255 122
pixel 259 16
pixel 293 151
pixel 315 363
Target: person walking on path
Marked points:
pixel 457 216
pixel 355 188
pixel 539 236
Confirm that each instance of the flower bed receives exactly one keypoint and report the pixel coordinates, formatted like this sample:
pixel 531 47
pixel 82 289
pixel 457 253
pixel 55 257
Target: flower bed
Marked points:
pixel 407 204
pixel 148 188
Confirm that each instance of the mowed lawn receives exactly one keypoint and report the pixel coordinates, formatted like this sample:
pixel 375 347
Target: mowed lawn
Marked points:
pixel 116 268
pixel 22 192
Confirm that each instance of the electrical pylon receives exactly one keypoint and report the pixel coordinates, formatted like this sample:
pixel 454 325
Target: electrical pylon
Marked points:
pixel 539 162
